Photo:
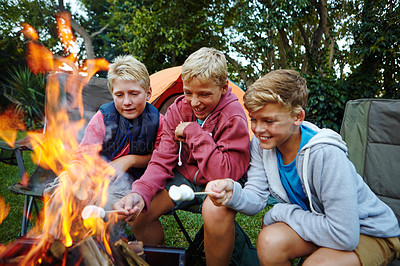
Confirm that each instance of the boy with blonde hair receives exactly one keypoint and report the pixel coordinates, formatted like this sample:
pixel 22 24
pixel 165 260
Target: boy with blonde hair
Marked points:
pixel 124 132
pixel 205 137
pixel 326 211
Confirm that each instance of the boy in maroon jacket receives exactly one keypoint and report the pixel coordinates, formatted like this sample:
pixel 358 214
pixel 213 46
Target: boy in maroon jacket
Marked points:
pixel 205 137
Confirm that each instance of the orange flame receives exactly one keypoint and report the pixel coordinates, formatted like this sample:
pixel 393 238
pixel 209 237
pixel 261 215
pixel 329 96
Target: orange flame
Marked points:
pixel 40 59
pixel 4 210
pixel 10 123
pixel 81 176
pixel 29 32
pixel 66 35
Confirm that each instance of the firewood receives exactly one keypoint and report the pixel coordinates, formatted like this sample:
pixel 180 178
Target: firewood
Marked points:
pixel 57 249
pixel 91 254
pixel 136 246
pixel 129 255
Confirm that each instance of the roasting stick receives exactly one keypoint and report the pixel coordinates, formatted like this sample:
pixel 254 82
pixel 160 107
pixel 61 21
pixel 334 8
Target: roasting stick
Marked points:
pixel 204 193
pixel 121 210
pixel 184 192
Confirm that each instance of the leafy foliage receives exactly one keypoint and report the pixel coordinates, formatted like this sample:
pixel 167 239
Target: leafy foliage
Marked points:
pixel 160 33
pixel 376 44
pixel 99 20
pixel 346 49
pixel 40 15
pixel 326 102
pixel 27 92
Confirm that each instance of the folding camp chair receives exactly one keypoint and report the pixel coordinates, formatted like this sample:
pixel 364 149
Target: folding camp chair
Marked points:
pixel 195 250
pixel 94 94
pixel 371 129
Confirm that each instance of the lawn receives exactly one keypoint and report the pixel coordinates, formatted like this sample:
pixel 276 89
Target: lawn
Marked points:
pixel 11 226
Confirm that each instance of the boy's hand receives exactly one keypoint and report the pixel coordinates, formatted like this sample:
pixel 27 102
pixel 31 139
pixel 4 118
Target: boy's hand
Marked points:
pixel 223 191
pixel 179 130
pixel 132 204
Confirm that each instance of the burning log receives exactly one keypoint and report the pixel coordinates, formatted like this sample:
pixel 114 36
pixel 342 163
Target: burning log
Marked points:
pixel 78 242
pixel 88 251
pixel 129 254
pixel 57 249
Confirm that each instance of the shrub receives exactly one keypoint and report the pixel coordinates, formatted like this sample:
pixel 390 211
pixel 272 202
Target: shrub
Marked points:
pixel 326 101
pixel 26 92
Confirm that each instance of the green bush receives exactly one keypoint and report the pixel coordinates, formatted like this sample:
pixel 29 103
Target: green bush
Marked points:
pixel 326 101
pixel 26 92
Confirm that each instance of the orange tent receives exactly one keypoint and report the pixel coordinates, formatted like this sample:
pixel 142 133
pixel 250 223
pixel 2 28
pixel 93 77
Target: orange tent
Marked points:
pixel 167 86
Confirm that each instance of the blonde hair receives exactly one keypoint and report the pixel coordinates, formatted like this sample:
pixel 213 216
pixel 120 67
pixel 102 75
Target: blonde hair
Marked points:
pixel 127 67
pixel 205 64
pixel 282 86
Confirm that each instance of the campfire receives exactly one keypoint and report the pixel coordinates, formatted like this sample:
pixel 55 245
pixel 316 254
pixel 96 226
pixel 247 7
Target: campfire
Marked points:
pixel 76 241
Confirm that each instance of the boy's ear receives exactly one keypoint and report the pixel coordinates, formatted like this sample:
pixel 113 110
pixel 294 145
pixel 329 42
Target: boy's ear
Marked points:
pixel 299 117
pixel 148 96
pixel 225 87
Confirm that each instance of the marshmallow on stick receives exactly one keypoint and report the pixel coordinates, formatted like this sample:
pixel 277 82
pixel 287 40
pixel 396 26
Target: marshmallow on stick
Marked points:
pixel 93 211
pixel 183 193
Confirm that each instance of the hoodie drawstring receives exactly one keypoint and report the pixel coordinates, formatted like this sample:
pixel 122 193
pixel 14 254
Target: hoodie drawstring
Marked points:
pixel 179 156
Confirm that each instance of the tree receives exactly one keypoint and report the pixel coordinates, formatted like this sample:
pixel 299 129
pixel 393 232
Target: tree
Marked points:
pixel 12 44
pixel 257 36
pixel 41 15
pixel 376 50
pixel 160 33
pixel 282 34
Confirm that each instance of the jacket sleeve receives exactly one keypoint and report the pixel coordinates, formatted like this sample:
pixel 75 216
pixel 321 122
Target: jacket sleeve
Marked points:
pixel 161 165
pixel 333 183
pixel 254 196
pixel 228 156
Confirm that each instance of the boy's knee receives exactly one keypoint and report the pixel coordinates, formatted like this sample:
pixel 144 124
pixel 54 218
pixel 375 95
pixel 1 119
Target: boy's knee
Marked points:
pixel 272 247
pixel 217 214
pixel 272 240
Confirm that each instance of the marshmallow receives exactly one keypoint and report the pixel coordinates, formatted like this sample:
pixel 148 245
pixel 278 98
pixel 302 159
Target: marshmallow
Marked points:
pixel 187 192
pixel 174 193
pixel 181 193
pixel 93 211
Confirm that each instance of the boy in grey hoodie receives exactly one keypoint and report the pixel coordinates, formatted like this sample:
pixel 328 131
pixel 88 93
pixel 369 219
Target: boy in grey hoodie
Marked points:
pixel 326 211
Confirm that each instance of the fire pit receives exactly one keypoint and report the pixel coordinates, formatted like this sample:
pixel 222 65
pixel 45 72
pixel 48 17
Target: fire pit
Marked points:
pixel 90 252
pixel 72 243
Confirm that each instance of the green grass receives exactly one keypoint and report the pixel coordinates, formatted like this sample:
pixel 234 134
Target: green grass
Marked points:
pixel 11 226
pixel 192 222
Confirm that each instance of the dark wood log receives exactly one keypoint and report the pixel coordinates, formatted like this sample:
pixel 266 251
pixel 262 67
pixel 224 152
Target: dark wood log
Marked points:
pixel 57 249
pixel 89 252
pixel 128 254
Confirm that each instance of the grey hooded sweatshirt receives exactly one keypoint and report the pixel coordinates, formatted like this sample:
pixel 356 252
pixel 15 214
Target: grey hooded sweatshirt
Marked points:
pixel 342 206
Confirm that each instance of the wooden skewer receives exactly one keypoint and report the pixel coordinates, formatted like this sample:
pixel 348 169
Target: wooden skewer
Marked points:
pixel 204 193
pixel 116 211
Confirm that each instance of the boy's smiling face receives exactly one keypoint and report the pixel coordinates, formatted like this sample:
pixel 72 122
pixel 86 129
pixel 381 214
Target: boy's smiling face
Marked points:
pixel 129 97
pixel 275 126
pixel 203 97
